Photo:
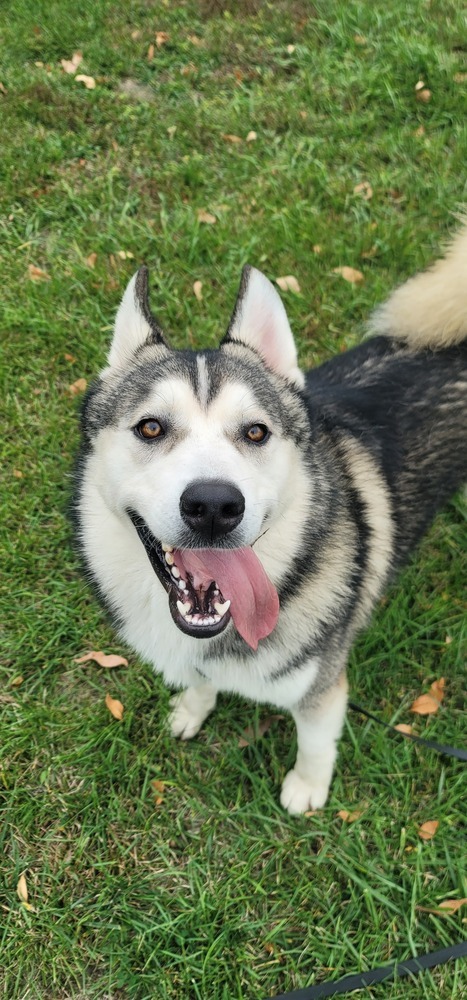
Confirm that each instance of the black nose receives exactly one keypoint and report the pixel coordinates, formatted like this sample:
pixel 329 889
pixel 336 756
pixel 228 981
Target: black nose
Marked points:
pixel 212 508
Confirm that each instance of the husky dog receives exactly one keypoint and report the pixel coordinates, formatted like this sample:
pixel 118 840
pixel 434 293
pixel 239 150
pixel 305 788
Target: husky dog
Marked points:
pixel 241 518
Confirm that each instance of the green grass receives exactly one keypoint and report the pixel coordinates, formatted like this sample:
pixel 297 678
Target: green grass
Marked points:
pixel 214 892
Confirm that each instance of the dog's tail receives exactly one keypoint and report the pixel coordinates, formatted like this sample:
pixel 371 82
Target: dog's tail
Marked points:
pixel 430 310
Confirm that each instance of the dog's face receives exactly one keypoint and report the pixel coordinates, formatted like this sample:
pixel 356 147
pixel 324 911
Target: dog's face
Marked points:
pixel 197 451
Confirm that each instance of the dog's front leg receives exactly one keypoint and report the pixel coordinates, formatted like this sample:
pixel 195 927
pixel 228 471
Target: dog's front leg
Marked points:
pixel 190 708
pixel 318 729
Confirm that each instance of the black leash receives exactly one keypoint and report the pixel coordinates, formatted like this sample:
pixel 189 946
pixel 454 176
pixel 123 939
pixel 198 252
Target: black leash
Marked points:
pixel 357 982
pixel 412 965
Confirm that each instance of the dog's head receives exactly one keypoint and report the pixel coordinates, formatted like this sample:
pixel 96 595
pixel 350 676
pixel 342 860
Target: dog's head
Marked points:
pixel 197 452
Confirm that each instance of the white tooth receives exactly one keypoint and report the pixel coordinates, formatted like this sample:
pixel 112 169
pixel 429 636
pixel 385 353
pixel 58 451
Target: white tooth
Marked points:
pixel 183 608
pixel 175 572
pixel 169 558
pixel 181 585
pixel 221 608
pixel 167 548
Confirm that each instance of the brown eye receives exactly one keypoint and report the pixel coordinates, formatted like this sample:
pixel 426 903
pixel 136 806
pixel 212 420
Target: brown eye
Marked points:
pixel 149 430
pixel 257 433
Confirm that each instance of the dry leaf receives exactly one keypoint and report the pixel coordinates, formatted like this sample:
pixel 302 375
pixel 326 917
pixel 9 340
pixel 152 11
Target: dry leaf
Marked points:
pixel 16 682
pixel 204 216
pixel 159 786
pixel 150 53
pixel 136 34
pixel 288 284
pixel 427 830
pixel 37 274
pixel 424 95
pixel 78 386
pixel 17 474
pixel 89 81
pixel 365 189
pixel 108 660
pixel 197 286
pixel 251 733
pixel 350 817
pixel 419 85
pixel 3 89
pixel 171 131
pixel 189 69
pixel 359 39
pixel 251 136
pixel 290 49
pixel 71 65
pixel 452 905
pixel 231 138
pixel 69 357
pixel 350 274
pixel 419 131
pixel 427 704
pixel 403 728
pixel 125 255
pixel 91 260
pixel 161 38
pixel 114 706
pixel 22 889
pixel 317 248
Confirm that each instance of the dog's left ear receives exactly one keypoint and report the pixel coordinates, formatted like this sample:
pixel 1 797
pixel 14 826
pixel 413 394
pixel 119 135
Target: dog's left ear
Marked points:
pixel 260 321
pixel 134 323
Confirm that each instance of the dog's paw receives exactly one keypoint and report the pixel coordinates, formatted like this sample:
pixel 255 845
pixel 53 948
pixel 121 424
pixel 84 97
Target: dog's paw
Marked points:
pixel 189 710
pixel 298 795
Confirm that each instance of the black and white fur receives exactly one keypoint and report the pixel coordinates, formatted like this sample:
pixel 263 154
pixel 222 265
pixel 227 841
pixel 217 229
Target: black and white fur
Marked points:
pixel 361 453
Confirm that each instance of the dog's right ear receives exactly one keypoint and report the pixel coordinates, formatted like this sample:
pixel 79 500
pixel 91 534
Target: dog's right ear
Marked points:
pixel 134 324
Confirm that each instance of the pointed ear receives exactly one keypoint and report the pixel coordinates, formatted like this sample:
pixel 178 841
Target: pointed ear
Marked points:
pixel 260 321
pixel 134 324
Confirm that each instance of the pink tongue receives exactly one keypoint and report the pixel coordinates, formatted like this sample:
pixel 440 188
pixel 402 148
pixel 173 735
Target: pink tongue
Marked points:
pixel 242 580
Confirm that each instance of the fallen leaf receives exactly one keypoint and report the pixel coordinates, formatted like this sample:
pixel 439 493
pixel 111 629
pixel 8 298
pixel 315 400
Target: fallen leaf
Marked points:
pixel 22 889
pixel 69 357
pixel 161 38
pixel 159 786
pixel 78 386
pixel 359 39
pixel 452 905
pixel 419 85
pixel 109 660
pixel 403 728
pixel 71 65
pixel 288 284
pixel 171 131
pixel 290 49
pixel 114 706
pixel 189 69
pixel 204 216
pixel 424 95
pixel 419 131
pixel 136 34
pixel 250 734
pixel 350 817
pixel 251 136
pixel 427 830
pixel 125 255
pixel 195 40
pixel 231 138
pixel 427 704
pixel 3 89
pixel 365 189
pixel 317 248
pixel 197 286
pixel 16 682
pixel 150 53
pixel 37 274
pixel 91 260
pixel 350 274
pixel 17 474
pixel 89 81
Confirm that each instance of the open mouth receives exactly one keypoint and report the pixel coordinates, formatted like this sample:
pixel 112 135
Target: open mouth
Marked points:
pixel 200 611
pixel 208 587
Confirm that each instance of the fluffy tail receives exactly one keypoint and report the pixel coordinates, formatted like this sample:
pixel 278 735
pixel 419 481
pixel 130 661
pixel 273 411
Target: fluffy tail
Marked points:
pixel 430 310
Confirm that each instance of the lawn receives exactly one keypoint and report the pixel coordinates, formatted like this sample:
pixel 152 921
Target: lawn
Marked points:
pixel 157 870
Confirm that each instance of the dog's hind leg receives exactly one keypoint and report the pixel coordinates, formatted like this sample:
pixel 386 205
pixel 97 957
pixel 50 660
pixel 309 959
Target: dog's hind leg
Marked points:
pixel 189 710
pixel 318 729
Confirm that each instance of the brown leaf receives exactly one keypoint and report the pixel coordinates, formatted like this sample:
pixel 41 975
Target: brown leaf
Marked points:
pixel 197 286
pixel 89 81
pixel 136 34
pixel 22 889
pixel 419 131
pixel 17 681
pixel 427 830
pixel 114 706
pixel 427 704
pixel 91 260
pixel 18 474
pixel 365 189
pixel 350 274
pixel 288 284
pixel 77 387
pixel 189 70
pixel 424 95
pixel 403 728
pixel 250 734
pixel 204 216
pixel 71 65
pixel 231 138
pixel 109 660
pixel 150 53
pixel 251 136
pixel 350 817
pixel 159 786
pixel 317 248
pixel 37 274
pixel 161 38
pixel 69 357
pixel 452 905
